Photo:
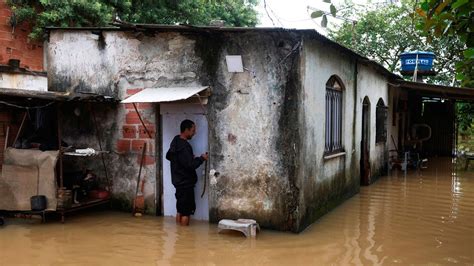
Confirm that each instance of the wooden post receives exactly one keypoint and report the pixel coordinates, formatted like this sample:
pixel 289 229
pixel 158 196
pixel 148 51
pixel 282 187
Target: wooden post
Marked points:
pixel 159 161
pixel 6 138
pixel 141 120
pixel 21 127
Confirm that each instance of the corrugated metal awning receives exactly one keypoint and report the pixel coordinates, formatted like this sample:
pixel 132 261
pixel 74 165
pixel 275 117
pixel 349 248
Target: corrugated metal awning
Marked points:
pixel 7 93
pixel 165 94
pixel 433 90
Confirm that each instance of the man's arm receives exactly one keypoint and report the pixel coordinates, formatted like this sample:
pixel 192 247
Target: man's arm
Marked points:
pixel 187 160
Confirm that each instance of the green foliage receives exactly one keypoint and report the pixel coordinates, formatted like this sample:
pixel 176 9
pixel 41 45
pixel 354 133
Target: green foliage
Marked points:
pixel 317 13
pixel 452 18
pixel 195 12
pixel 465 116
pixel 43 13
pixel 383 34
pixel 83 13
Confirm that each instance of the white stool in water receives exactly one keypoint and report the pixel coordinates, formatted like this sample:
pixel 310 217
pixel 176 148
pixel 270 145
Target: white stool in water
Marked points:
pixel 248 227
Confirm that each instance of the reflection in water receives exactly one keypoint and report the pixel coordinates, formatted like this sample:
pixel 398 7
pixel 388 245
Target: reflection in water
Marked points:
pixel 425 217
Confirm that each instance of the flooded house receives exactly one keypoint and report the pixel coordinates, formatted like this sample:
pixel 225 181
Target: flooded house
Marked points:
pixel 294 123
pixel 284 133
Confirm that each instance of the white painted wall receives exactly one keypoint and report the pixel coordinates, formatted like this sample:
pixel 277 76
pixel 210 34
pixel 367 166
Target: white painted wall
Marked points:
pixel 374 86
pixel 320 63
pixel 324 182
pixel 23 81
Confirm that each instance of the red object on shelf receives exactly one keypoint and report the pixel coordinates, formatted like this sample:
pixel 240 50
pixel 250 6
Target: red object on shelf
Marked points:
pixel 99 194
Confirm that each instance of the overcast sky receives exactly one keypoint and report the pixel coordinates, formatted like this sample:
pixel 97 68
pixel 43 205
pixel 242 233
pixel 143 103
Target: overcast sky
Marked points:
pixel 288 14
pixel 295 13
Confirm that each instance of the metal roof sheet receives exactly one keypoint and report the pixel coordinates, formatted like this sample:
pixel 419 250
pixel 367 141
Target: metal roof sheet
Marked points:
pixel 54 95
pixel 164 94
pixel 458 93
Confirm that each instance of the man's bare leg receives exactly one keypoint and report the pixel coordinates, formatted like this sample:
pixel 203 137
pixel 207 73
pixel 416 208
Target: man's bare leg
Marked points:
pixel 178 218
pixel 184 220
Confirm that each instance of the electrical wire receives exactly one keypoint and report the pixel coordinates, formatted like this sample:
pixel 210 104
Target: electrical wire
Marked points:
pixel 268 14
pixel 26 107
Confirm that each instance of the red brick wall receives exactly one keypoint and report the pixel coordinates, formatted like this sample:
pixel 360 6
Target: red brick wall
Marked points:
pixel 133 134
pixel 17 45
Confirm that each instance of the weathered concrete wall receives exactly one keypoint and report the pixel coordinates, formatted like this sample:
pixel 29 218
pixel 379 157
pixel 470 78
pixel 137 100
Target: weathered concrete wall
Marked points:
pixel 23 81
pixel 323 182
pixel 374 86
pixel 254 130
pixel 252 114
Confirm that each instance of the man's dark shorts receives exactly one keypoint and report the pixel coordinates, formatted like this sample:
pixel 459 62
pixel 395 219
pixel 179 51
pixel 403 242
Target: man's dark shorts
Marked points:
pixel 185 204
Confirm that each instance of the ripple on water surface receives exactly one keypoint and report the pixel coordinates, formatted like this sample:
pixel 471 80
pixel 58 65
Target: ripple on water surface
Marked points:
pixel 425 217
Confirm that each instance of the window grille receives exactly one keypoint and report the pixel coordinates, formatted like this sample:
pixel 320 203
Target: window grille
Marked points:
pixel 334 100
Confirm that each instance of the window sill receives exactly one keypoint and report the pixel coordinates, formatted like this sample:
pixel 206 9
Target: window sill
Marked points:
pixel 332 156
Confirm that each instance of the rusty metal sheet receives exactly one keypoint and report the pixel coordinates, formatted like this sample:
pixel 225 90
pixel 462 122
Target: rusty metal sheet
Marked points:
pixel 165 94
pixel 54 95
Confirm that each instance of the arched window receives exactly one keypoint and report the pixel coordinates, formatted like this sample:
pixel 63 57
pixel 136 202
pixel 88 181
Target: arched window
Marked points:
pixel 334 97
pixel 381 122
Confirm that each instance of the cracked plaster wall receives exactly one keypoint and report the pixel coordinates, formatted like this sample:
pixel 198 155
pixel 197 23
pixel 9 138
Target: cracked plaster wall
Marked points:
pixel 249 133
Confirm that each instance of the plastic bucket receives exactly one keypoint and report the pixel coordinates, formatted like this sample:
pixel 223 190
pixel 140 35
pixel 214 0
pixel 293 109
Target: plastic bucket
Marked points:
pixel 38 203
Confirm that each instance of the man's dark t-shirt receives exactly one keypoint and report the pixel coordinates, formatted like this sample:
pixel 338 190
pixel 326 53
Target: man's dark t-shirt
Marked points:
pixel 183 163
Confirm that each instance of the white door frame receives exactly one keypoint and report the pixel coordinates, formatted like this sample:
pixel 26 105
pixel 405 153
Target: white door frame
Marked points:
pixel 171 115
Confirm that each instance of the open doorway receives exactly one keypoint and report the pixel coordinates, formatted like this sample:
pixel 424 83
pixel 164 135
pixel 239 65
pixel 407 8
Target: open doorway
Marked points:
pixel 175 105
pixel 171 117
pixel 365 144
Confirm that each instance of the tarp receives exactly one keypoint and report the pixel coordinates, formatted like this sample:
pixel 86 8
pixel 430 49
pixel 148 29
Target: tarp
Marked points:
pixel 165 94
pixel 20 172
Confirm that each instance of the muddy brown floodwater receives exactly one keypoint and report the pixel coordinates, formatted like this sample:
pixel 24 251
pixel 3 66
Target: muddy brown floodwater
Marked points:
pixel 425 217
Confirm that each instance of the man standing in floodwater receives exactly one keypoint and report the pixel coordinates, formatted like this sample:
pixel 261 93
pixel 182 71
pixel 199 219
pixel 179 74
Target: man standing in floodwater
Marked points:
pixel 183 171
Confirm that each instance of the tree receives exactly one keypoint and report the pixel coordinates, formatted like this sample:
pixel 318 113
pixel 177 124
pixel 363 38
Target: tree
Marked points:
pixel 452 18
pixel 465 116
pixel 79 13
pixel 323 14
pixel 238 13
pixel 384 33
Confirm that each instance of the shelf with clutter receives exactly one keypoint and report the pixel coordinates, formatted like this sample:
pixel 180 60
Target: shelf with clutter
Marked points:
pixel 52 161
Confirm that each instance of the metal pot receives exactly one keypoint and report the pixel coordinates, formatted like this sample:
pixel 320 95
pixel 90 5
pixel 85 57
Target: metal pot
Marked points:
pixel 38 203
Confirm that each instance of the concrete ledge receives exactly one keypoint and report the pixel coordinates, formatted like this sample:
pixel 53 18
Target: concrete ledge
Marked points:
pixel 331 156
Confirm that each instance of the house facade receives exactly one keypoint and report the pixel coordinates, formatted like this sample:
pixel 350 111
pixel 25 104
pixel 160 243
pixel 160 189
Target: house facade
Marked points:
pixel 290 137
